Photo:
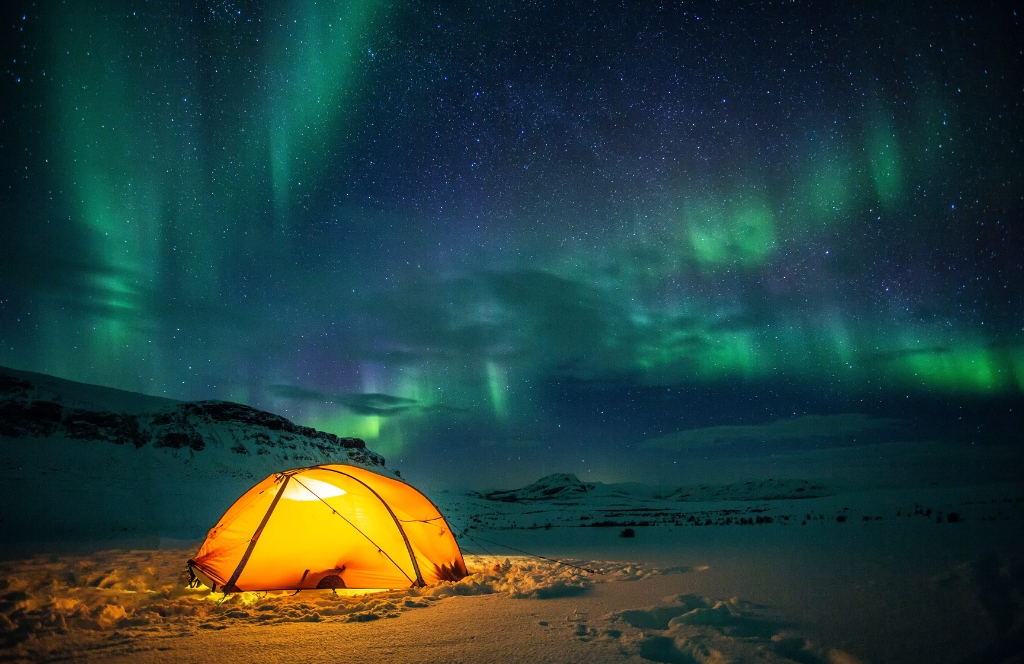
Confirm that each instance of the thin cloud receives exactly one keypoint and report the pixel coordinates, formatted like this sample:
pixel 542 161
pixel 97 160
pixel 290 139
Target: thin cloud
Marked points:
pixel 295 393
pixel 797 428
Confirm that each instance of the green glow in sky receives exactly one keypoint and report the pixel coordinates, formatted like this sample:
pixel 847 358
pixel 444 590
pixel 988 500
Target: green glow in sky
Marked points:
pixel 967 369
pixel 321 48
pixel 497 386
pixel 1017 366
pixel 381 219
pixel 883 153
pixel 384 437
pixel 826 191
pixel 731 233
pixel 109 168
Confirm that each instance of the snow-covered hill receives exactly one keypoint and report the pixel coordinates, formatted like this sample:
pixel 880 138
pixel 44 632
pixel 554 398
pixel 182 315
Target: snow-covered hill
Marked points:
pixel 563 501
pixel 86 461
pixel 560 486
pixel 566 486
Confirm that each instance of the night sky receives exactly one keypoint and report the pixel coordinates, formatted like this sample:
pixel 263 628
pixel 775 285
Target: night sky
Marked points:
pixel 503 239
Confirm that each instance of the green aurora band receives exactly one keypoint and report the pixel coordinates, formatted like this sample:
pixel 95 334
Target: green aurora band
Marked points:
pixel 196 156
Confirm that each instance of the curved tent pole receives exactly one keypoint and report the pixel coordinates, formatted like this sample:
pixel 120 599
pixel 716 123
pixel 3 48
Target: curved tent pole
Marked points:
pixel 445 522
pixel 439 516
pixel 230 585
pixel 408 546
pixel 342 516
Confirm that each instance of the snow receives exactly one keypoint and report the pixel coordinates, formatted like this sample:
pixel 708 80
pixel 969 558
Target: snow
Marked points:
pixel 57 604
pixel 90 462
pixel 786 503
pixel 770 570
pixel 895 590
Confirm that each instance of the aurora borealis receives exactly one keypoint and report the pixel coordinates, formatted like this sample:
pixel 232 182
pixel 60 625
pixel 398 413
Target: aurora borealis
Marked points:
pixel 542 233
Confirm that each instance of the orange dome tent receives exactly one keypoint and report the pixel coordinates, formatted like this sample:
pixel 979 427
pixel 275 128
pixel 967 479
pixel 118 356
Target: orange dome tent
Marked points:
pixel 329 526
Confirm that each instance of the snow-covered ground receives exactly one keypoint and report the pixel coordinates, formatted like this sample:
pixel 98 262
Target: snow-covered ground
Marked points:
pixel 766 570
pixel 908 587
pixel 563 501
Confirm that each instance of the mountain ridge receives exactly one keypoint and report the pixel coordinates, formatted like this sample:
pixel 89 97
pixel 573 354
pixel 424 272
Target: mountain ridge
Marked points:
pixel 87 461
pixel 566 486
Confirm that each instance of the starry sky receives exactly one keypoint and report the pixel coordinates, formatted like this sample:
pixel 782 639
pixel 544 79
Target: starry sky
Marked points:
pixel 501 239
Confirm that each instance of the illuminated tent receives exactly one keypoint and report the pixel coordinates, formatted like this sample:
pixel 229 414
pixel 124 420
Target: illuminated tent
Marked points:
pixel 329 526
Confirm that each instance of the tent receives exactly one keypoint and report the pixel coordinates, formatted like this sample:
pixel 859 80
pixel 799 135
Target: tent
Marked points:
pixel 328 526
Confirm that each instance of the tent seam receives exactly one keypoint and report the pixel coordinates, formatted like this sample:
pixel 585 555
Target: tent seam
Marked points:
pixel 342 516
pixel 405 538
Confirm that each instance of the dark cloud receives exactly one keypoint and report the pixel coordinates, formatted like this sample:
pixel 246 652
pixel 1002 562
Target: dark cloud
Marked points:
pixel 431 318
pixel 377 404
pixel 565 321
pixel 536 318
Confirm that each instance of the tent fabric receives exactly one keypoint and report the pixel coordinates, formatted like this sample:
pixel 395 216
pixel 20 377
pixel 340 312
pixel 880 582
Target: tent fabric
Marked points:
pixel 329 526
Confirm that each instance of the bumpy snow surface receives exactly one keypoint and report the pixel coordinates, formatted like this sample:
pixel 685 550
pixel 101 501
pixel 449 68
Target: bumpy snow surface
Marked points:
pixel 568 487
pixel 129 603
pixel 143 593
pixel 563 501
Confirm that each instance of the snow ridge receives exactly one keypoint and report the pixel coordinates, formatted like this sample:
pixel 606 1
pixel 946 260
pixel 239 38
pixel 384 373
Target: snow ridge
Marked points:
pixel 552 487
pixel 85 461
pixel 27 411
pixel 566 486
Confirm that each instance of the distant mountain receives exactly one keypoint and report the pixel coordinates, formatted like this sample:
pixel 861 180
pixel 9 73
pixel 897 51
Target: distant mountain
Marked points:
pixel 562 500
pixel 552 487
pixel 566 486
pixel 87 461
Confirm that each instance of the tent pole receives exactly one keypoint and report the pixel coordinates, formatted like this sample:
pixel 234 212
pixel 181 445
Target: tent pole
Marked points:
pixel 230 585
pixel 408 546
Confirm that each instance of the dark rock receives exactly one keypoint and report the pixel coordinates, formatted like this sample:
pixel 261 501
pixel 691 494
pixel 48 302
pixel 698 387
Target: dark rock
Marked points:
pixel 177 440
pixel 39 418
pixel 118 428
pixel 174 426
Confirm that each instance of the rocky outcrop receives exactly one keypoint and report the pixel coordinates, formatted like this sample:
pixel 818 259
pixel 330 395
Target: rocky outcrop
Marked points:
pixel 28 411
pixel 85 462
